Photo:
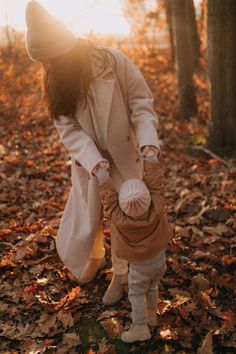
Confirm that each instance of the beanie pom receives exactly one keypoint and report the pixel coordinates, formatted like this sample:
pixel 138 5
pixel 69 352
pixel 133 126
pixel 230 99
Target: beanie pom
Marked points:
pixel 134 197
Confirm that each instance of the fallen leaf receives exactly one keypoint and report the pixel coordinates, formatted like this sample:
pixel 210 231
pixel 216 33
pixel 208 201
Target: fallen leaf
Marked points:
pixel 105 348
pixel 71 339
pixel 201 282
pixel 206 347
pixel 168 333
pixel 112 327
pixel 216 230
pixel 66 318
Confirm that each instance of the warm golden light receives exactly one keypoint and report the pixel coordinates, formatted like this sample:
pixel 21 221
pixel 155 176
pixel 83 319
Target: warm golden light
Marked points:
pixel 82 16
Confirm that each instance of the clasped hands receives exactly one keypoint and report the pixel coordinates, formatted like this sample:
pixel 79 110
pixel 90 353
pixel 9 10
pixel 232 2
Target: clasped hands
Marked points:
pixel 145 150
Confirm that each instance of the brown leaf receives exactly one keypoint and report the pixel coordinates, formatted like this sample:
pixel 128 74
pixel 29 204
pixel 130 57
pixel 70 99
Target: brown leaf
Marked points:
pixel 229 342
pixel 168 333
pixel 66 318
pixel 105 348
pixel 229 260
pixel 229 321
pixel 47 322
pixel 201 282
pixel 112 327
pixel 216 230
pixel 4 232
pixel 107 314
pixel 34 347
pixel 163 306
pixel 206 347
pixel 71 339
pixel 68 298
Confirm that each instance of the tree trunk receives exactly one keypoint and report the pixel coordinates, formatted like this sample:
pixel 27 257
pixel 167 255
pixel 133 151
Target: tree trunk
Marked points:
pixel 203 26
pixel 187 98
pixel 170 28
pixel 221 29
pixel 194 37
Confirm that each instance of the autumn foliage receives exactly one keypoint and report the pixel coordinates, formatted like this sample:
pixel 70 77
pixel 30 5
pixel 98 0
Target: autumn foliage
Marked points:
pixel 42 307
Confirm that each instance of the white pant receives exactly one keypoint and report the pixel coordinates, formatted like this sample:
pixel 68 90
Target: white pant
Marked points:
pixel 143 280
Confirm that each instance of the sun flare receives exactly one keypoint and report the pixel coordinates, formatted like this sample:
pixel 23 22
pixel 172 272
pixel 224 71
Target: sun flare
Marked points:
pixel 82 16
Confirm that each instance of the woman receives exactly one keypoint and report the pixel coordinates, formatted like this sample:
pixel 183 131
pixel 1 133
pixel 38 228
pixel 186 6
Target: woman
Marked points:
pixel 103 111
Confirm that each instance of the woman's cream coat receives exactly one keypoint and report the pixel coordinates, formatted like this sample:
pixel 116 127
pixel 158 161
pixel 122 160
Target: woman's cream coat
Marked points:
pixel 122 96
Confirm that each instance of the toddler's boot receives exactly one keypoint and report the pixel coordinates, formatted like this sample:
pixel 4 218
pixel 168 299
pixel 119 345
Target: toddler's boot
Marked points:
pixel 136 333
pixel 115 291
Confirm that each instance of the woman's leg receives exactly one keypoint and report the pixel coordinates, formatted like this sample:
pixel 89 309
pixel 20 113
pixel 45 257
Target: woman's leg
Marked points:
pixel 98 250
pixel 97 257
pixel 115 290
pixel 119 266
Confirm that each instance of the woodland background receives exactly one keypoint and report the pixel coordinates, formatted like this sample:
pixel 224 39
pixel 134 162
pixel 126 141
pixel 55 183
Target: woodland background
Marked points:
pixel 188 60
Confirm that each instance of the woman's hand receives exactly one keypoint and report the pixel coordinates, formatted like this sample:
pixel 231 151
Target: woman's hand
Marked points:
pixel 101 171
pixel 99 166
pixel 146 149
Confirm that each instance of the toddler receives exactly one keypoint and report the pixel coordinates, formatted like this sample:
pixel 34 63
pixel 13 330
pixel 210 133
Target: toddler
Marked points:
pixel 141 233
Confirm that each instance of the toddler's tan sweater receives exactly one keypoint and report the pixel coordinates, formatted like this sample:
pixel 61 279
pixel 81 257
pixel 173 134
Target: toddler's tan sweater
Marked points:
pixel 143 237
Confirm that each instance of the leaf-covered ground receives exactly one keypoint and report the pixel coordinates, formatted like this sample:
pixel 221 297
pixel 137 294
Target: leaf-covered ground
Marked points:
pixel 42 307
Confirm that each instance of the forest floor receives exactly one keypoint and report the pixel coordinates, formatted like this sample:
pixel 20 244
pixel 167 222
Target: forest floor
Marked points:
pixel 42 307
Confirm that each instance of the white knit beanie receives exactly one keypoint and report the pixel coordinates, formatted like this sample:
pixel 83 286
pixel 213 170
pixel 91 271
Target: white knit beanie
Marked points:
pixel 46 36
pixel 134 197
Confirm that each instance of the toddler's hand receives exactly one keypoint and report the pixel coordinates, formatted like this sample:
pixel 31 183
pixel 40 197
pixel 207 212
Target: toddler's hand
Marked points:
pixel 101 171
pixel 149 148
pixel 151 153
pixel 102 175
pixel 102 164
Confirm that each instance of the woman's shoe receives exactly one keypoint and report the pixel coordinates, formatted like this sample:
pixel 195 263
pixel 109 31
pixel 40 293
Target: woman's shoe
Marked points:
pixel 115 291
pixel 91 269
pixel 136 333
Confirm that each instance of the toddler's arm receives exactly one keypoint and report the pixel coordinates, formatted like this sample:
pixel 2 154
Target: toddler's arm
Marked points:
pixel 108 193
pixel 154 180
pixel 153 175
pixel 102 174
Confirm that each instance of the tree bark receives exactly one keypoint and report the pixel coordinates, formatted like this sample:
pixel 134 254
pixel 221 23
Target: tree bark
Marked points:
pixel 170 28
pixel 194 37
pixel 221 27
pixel 187 97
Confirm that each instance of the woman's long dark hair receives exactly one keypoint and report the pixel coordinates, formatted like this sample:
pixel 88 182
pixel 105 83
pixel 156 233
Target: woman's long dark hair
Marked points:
pixel 66 79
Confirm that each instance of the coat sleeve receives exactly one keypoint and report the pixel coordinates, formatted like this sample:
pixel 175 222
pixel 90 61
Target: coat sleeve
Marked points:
pixel 109 198
pixel 81 147
pixel 154 177
pixel 154 180
pixel 140 103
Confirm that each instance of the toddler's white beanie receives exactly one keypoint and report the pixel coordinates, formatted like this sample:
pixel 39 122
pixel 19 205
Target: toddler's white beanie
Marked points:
pixel 134 197
pixel 46 36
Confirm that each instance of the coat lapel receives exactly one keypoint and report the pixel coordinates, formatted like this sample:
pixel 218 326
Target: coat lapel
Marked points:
pixel 83 116
pixel 102 93
pixel 99 103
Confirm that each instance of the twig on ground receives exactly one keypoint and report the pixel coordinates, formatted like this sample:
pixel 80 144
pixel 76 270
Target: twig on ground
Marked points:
pixel 212 154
